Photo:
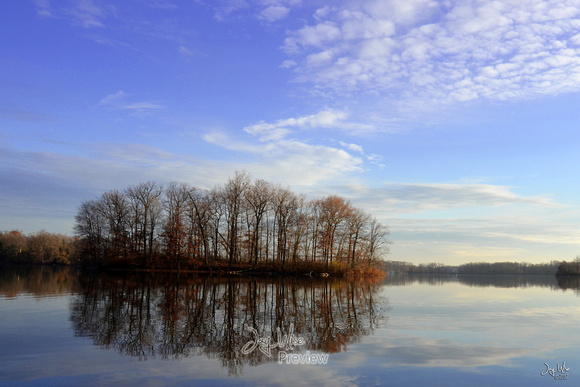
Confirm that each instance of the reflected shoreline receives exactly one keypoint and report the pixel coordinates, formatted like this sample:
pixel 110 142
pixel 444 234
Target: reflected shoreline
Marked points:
pixel 41 280
pixel 175 315
pixel 485 280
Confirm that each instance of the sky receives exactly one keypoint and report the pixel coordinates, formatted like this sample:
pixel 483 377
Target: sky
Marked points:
pixel 455 123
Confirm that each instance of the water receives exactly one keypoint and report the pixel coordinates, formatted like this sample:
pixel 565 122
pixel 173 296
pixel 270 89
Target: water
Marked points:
pixel 62 327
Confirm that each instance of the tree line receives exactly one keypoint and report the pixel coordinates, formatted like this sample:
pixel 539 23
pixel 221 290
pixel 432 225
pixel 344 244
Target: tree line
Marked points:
pixel 569 268
pixel 244 223
pixel 39 248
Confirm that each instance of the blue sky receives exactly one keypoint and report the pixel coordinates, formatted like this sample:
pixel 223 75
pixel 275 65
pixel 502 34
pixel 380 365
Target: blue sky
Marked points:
pixel 454 122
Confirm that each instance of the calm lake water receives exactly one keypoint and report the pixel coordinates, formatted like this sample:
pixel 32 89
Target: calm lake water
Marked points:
pixel 62 327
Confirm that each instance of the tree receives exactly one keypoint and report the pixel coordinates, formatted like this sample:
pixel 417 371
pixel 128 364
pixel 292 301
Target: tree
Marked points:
pixel 257 197
pixel 176 198
pixel 285 203
pixel 333 210
pixel 145 200
pixel 200 212
pixel 378 240
pixel 299 222
pixel 89 227
pixel 357 221
pixel 115 209
pixel 13 246
pixel 232 196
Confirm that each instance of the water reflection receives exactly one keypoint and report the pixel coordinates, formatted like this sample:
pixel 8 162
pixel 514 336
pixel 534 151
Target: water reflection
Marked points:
pixel 472 329
pixel 498 281
pixel 172 316
pixel 39 281
pixel 569 282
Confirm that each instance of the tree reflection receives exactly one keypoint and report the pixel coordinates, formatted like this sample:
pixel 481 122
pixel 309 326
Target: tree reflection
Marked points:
pixel 172 315
pixel 476 280
pixel 569 282
pixel 40 281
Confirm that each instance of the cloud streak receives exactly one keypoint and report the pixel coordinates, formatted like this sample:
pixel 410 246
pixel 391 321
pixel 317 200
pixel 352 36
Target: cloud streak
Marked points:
pixel 84 13
pixel 117 101
pixel 437 196
pixel 325 119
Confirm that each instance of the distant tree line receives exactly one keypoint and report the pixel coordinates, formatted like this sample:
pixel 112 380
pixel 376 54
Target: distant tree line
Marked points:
pixel 423 268
pixel 243 223
pixel 40 248
pixel 569 268
pixel 509 268
pixel 475 268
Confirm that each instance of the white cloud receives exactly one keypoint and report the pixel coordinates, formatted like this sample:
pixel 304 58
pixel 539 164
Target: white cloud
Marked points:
pixel 288 64
pixel 325 119
pixel 267 10
pixel 43 8
pixel 162 4
pixel 352 147
pixel 300 163
pixel 315 36
pixel 376 160
pixel 274 13
pixel 83 13
pixel 87 14
pixel 428 52
pixel 142 106
pixel 117 101
pixel 113 98
pixel 419 197
pixel 185 51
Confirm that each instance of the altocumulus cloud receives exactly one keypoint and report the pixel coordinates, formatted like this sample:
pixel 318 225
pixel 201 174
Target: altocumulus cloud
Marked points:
pixel 441 52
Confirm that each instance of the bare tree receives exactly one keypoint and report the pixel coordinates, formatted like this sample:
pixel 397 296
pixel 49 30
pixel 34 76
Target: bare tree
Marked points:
pixel 378 240
pixel 176 198
pixel 333 211
pixel 115 209
pixel 257 198
pixel 357 222
pixel 145 201
pixel 242 221
pixel 90 226
pixel 233 197
pixel 200 213
pixel 285 203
